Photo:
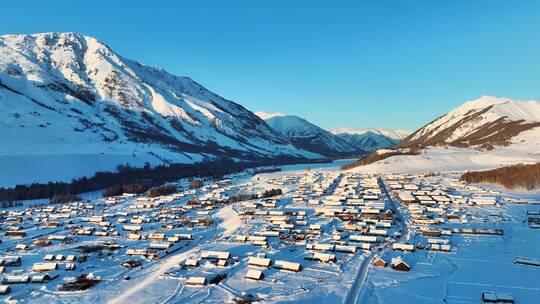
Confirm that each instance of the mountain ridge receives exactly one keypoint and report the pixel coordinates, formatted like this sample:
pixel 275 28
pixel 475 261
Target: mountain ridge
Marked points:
pixel 308 136
pixel 371 139
pixel 70 94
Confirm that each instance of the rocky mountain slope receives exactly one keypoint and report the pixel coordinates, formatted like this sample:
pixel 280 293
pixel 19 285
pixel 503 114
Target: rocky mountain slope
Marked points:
pixel 371 139
pixel 307 136
pixel 69 99
pixel 484 123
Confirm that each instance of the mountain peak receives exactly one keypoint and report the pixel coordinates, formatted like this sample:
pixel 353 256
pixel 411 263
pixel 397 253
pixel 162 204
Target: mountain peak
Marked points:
pixel 481 103
pixel 52 38
pixel 265 115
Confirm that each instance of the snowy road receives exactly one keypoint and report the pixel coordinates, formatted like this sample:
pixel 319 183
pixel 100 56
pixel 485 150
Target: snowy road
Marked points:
pixel 355 294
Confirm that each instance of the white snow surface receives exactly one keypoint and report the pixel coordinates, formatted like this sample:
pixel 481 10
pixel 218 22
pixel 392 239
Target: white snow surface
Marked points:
pixel 438 159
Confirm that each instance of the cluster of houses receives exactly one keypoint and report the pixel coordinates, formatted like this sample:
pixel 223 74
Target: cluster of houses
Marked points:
pixel 41 243
pixel 360 220
pixel 330 216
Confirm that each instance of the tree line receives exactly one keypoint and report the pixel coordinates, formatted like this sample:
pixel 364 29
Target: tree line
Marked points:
pixel 131 179
pixel 519 176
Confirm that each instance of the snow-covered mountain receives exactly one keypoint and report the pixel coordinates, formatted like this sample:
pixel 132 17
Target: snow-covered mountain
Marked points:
pixel 486 133
pixel 484 123
pixel 308 136
pixel 371 139
pixel 66 95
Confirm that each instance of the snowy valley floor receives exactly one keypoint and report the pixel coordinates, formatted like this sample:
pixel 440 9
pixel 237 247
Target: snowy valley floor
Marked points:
pixel 349 218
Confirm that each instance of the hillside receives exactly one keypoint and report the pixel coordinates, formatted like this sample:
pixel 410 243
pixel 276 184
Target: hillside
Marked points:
pixel 71 106
pixel 484 123
pixel 481 134
pixel 307 136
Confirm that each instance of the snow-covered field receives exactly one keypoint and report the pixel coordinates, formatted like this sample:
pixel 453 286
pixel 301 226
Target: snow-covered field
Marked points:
pixel 450 159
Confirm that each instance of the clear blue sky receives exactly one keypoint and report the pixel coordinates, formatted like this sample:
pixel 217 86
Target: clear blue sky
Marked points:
pixel 395 64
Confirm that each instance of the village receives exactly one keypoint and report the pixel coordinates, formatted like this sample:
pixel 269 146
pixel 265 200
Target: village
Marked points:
pixel 252 236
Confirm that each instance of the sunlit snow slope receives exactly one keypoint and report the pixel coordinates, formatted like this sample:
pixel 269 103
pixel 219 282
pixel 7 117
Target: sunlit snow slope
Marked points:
pixel 69 106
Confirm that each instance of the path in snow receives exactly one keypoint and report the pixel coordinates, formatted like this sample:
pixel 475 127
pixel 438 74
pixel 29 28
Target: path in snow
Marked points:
pixel 230 220
pixel 130 294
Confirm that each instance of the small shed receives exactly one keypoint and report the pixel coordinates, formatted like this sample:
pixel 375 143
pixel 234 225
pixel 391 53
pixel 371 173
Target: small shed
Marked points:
pixel 49 257
pixel 70 266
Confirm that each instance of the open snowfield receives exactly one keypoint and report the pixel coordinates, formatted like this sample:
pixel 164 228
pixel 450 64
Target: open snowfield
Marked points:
pixel 452 160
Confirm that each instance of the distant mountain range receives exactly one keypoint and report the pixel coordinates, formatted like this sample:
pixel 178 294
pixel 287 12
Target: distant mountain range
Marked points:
pixel 307 136
pixel 371 139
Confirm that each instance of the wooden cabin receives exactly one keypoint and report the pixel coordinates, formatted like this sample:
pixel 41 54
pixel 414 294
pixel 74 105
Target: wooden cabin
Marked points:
pixel 42 267
pixel 261 262
pixel 492 297
pixel 15 234
pixel 191 263
pixel 196 281
pixel 16 279
pixel 285 265
pixel 254 274
pixel 400 265
pixel 215 255
pixel 379 262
